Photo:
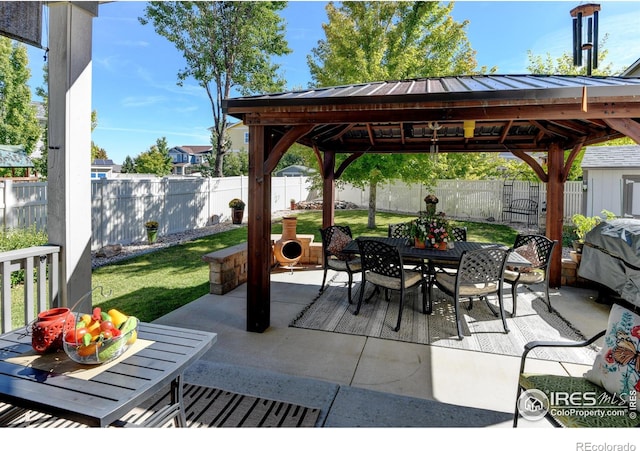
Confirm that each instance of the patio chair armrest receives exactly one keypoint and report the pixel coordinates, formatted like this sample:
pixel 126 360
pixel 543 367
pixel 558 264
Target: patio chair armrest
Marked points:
pixel 556 344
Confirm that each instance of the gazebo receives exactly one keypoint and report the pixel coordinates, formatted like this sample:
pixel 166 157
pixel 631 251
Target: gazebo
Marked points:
pixel 521 114
pixel 15 157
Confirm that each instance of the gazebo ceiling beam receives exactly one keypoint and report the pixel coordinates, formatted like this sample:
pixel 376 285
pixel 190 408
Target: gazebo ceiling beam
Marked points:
pixel 550 130
pixel 629 127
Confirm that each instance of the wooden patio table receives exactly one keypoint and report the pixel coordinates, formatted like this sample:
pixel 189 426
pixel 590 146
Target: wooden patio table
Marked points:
pixel 99 395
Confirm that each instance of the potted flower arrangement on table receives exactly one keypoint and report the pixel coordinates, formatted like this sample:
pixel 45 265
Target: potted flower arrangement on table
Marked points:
pixel 237 210
pixel 152 231
pixel 439 231
pixel 419 230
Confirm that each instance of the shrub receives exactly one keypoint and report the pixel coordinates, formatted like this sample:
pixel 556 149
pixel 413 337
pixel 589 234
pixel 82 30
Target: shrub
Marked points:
pixel 236 203
pixel 20 239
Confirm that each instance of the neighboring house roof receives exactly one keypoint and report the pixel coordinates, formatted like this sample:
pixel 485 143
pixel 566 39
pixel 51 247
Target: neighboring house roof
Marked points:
pixel 295 169
pixel 634 69
pixel 235 124
pixel 602 157
pixel 196 149
pixel 14 157
pixel 101 162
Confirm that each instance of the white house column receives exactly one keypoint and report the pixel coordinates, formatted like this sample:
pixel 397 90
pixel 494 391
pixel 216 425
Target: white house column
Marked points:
pixel 69 153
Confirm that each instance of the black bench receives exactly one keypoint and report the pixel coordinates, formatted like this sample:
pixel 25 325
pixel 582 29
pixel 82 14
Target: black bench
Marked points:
pixel 526 207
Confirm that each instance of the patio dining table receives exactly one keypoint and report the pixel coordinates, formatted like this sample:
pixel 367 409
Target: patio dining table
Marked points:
pixel 100 395
pixel 451 255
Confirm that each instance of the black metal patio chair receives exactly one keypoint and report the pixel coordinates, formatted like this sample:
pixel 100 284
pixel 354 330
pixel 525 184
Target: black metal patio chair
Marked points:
pixel 537 249
pixel 382 266
pixel 479 274
pixel 334 239
pixel 458 234
pixel 403 230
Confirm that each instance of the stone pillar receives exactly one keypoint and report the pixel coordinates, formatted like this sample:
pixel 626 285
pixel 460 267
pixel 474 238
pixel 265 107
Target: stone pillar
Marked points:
pixel 69 153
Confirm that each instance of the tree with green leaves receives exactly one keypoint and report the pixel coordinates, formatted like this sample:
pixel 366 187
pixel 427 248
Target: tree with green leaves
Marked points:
pixel 226 45
pixel 563 64
pixel 236 163
pixel 18 120
pixel 41 163
pixel 156 160
pixel 375 41
pixel 298 155
pixel 97 153
pixel 128 167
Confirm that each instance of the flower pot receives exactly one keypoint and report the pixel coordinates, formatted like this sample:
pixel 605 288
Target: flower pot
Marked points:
pixel 575 256
pixel 49 329
pixel 236 215
pixel 442 246
pixel 577 246
pixel 152 234
pixel 419 244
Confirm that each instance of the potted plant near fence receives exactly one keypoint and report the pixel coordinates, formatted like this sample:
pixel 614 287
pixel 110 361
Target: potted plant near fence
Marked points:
pixel 292 201
pixel 237 210
pixel 584 224
pixel 152 231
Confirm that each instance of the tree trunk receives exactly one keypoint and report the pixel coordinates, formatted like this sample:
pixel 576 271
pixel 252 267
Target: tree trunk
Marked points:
pixel 371 221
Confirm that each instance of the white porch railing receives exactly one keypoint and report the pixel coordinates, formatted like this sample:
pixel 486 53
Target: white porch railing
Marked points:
pixel 41 265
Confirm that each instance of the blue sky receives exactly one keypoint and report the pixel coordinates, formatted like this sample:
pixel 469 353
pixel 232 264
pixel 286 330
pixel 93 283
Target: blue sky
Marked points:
pixel 135 71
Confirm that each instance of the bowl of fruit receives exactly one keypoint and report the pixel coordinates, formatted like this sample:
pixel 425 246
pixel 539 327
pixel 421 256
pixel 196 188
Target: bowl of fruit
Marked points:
pixel 100 337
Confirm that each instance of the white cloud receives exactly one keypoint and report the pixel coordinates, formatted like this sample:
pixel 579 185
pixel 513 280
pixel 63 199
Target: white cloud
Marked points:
pixel 134 102
pixel 129 43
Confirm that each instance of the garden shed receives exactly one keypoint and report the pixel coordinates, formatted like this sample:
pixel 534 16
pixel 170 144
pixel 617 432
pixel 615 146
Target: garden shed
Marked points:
pixel 611 180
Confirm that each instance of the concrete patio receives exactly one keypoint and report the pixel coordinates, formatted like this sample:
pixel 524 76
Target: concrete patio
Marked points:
pixel 359 381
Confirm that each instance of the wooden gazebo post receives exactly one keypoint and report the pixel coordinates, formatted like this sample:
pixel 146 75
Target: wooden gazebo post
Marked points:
pixel 259 232
pixel 328 188
pixel 555 177
pixel 555 198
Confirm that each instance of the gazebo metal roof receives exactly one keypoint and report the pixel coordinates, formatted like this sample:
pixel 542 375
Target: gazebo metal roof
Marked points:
pixel 511 112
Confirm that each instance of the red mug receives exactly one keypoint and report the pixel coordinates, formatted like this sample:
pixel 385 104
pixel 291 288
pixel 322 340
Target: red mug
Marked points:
pixel 49 329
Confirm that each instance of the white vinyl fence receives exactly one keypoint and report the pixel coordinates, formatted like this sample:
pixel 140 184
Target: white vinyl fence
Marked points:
pixel 460 199
pixel 120 207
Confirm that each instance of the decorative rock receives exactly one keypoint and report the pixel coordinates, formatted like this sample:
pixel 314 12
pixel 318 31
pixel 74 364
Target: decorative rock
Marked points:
pixel 317 205
pixel 109 251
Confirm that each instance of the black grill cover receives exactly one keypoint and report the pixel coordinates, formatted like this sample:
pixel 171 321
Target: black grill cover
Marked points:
pixel 611 256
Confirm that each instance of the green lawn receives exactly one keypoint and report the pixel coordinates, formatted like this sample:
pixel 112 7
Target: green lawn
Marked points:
pixel 152 285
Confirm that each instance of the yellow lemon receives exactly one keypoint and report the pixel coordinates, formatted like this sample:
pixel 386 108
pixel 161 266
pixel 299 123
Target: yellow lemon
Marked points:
pixel 132 337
